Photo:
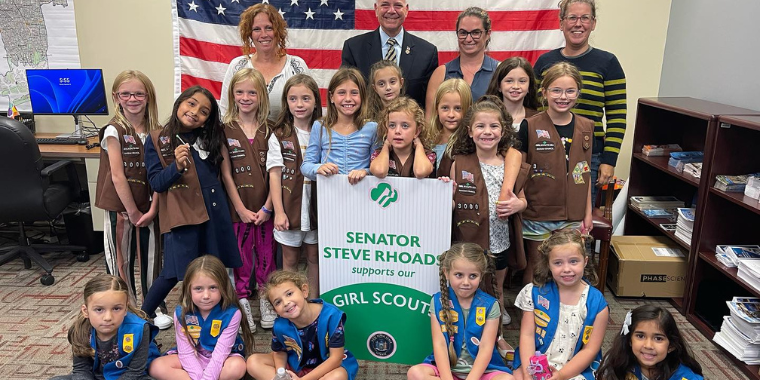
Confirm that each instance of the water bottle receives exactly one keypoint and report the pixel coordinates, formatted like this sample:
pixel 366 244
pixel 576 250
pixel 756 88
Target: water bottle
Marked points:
pixel 539 367
pixel 282 375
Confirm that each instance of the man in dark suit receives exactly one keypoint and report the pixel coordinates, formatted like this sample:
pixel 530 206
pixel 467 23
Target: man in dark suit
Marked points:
pixel 416 57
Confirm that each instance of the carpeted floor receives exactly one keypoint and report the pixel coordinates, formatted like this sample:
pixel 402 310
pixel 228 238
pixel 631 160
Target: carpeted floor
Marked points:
pixel 35 319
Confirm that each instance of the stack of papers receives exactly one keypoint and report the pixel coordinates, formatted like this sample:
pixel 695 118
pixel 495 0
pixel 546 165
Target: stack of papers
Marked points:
pixel 740 332
pixel 656 206
pixel 694 168
pixel 685 224
pixel 733 254
pixel 749 271
pixel 752 189
pixel 733 183
pixel 660 150
pixel 679 159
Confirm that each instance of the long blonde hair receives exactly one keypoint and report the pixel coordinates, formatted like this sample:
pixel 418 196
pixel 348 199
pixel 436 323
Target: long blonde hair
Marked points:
pixel 150 119
pixel 80 332
pixel 211 267
pixel 485 263
pixel 449 86
pixel 253 75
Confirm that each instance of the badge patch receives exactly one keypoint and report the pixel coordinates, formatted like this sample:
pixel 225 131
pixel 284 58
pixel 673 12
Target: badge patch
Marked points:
pixel 587 333
pixel 543 302
pixel 544 146
pixel 129 139
pixel 292 345
pixel 191 320
pixel 475 341
pixel 578 179
pixel 392 164
pixel 453 315
pixel 164 140
pixel 233 142
pixel 541 319
pixel 288 145
pixel 480 315
pixel 216 327
pixel 467 176
pixel 542 133
pixel 128 343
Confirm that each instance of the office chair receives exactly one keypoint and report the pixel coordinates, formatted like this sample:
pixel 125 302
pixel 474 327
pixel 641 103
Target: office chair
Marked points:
pixel 602 231
pixel 27 194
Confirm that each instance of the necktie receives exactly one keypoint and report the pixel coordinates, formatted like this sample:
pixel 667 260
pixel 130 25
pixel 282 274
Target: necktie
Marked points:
pixel 391 54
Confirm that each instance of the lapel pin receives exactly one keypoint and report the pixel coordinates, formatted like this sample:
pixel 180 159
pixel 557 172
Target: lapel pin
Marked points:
pixel 408 49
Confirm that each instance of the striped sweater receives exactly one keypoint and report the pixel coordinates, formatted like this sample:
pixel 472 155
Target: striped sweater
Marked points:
pixel 603 94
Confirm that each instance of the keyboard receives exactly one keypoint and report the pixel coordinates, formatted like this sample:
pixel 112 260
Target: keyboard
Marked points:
pixel 61 140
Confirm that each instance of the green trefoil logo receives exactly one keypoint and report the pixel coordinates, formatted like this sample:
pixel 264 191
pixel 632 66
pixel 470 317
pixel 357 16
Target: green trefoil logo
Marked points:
pixel 384 195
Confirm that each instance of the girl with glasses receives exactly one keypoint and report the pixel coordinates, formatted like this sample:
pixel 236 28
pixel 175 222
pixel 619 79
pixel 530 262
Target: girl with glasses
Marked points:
pixel 558 146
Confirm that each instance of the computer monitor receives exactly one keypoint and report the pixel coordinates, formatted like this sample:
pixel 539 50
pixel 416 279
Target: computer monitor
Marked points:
pixel 67 91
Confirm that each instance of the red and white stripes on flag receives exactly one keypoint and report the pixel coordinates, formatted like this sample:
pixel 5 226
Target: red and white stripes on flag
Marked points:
pixel 202 51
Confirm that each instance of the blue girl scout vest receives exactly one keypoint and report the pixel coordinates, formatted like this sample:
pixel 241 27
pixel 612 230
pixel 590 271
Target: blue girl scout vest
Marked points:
pixel 329 318
pixel 546 314
pixel 473 329
pixel 130 335
pixel 206 332
pixel 682 373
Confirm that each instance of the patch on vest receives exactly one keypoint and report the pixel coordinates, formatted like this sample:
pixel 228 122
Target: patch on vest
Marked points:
pixel 128 343
pixel 544 147
pixel 164 140
pixel 541 319
pixel 216 327
pixel 129 139
pixel 541 133
pixel 475 341
pixel 234 142
pixel 587 333
pixel 578 171
pixel 543 302
pixel 480 315
pixel 288 145
pixel 292 345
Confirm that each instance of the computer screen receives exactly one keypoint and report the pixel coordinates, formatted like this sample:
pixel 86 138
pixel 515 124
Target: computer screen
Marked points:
pixel 67 91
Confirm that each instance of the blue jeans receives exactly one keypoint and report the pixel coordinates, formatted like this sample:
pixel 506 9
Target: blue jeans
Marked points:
pixel 596 160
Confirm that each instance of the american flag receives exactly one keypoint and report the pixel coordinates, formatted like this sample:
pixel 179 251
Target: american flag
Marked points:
pixel 206 38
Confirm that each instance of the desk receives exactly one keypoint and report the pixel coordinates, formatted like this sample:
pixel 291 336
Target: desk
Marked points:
pixel 91 160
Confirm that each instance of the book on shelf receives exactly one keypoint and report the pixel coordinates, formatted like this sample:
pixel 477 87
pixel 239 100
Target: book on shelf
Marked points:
pixel 733 183
pixel 658 213
pixel 752 189
pixel 730 255
pixel 694 169
pixel 725 260
pixel 660 150
pixel 685 224
pixel 666 202
pixel 679 159
pixel 670 227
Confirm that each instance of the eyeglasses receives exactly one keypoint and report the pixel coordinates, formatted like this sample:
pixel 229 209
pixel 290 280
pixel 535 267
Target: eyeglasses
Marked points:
pixel 476 34
pixel 585 19
pixel 126 95
pixel 556 92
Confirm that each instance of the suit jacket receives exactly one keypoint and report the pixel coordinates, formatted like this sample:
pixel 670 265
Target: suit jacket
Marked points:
pixel 417 65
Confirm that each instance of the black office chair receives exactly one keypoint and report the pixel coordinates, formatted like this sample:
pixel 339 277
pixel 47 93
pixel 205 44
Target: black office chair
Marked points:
pixel 26 194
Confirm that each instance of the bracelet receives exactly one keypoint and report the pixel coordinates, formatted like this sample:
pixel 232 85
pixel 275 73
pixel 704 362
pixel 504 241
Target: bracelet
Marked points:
pixel 264 208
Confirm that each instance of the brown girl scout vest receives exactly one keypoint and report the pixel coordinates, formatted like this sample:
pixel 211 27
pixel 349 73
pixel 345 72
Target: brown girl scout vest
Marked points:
pixel 470 203
pixel 182 204
pixel 557 187
pixel 292 183
pixel 132 155
pixel 248 163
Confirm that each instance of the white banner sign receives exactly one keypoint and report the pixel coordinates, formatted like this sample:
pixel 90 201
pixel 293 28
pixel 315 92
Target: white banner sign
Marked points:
pixel 379 241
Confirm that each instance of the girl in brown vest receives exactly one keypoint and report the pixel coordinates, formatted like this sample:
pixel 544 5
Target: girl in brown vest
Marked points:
pixel 244 173
pixel 452 100
pixel 295 223
pixel 123 190
pixel 480 151
pixel 183 161
pixel 557 144
pixel 403 135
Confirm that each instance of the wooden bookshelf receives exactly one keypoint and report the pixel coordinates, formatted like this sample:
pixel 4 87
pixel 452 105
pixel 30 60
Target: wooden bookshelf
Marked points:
pixel 730 141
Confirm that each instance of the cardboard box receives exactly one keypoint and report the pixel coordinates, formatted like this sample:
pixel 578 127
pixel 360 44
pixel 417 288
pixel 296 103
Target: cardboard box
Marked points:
pixel 647 266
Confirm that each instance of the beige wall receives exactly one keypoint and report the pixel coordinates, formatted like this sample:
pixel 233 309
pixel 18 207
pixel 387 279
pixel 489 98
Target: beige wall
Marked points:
pixel 635 32
pixel 137 34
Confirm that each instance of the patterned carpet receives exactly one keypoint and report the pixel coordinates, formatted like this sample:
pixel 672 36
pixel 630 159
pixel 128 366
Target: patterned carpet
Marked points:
pixel 35 319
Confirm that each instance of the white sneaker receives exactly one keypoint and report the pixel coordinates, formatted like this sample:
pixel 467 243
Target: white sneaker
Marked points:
pixel 162 321
pixel 505 318
pixel 268 314
pixel 245 306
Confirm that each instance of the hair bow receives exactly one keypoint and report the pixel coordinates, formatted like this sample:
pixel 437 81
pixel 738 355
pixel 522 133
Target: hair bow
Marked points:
pixel 626 324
